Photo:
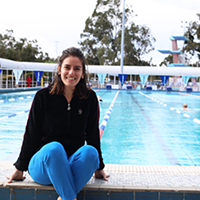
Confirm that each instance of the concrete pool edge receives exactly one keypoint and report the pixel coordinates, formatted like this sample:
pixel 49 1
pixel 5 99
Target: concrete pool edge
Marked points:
pixel 125 178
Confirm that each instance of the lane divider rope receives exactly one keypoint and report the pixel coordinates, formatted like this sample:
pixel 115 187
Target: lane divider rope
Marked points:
pixel 14 99
pixel 106 117
pixel 189 95
pixel 13 115
pixel 102 126
pixel 173 109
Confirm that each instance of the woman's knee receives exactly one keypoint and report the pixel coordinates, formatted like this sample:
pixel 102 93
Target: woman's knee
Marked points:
pixel 91 154
pixel 54 149
pixel 91 150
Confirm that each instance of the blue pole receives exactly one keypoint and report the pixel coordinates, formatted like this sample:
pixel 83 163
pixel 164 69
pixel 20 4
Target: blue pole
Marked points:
pixel 122 39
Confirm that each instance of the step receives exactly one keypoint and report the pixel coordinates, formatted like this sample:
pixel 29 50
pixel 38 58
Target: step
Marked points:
pixel 126 182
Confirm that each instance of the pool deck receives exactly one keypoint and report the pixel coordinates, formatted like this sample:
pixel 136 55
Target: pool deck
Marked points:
pixel 25 89
pixel 132 182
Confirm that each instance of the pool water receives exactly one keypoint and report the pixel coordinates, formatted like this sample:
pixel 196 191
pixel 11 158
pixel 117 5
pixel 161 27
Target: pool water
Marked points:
pixel 12 129
pixel 143 132
pixel 140 131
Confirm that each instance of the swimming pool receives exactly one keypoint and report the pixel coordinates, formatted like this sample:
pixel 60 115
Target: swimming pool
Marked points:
pixel 141 129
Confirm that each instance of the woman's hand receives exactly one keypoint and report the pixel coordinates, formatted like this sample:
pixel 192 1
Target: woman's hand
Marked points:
pixel 16 175
pixel 101 174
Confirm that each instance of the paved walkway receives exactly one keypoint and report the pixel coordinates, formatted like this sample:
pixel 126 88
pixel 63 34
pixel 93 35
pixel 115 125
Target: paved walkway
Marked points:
pixel 126 178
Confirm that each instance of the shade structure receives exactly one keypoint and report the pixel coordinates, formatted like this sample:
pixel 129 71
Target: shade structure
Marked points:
pixel 170 71
pixel 115 70
pixel 27 66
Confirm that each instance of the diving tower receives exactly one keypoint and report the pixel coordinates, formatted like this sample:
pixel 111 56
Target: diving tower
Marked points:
pixel 175 51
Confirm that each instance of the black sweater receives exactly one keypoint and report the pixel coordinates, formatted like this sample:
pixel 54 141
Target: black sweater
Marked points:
pixel 51 118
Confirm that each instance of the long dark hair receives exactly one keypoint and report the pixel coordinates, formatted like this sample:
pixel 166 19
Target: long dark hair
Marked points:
pixel 81 88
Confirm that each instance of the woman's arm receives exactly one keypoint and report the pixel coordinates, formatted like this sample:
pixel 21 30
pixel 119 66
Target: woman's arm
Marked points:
pixel 92 135
pixel 33 133
pixel 101 174
pixel 17 175
pixel 92 129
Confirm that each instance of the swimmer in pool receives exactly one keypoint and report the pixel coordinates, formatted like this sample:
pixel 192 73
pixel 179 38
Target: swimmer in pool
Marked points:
pixel 99 98
pixel 185 107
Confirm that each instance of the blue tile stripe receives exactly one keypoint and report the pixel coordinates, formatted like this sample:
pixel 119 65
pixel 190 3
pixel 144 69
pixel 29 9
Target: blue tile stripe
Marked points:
pixel 173 109
pixel 14 99
pixel 101 194
pixel 158 136
pixel 106 117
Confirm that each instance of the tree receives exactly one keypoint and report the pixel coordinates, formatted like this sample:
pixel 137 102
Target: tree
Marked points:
pixel 192 46
pixel 193 33
pixel 22 50
pixel 167 60
pixel 7 45
pixel 101 37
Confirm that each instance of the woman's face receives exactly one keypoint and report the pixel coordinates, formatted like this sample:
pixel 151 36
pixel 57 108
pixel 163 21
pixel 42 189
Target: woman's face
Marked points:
pixel 71 72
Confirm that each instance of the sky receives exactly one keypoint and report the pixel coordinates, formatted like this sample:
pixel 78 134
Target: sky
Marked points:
pixel 57 24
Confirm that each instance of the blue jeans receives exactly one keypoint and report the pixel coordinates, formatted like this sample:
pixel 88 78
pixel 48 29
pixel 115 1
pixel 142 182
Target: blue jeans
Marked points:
pixel 68 174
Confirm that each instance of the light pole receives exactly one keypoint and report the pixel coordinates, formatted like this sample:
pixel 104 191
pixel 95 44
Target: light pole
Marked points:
pixel 122 38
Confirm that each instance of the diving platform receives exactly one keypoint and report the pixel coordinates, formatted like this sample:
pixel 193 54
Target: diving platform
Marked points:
pixel 175 51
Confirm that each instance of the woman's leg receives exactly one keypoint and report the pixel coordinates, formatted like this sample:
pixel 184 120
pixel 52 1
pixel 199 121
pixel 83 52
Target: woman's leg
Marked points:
pixel 83 163
pixel 50 166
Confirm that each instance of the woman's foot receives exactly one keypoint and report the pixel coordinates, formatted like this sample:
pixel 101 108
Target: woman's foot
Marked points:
pixel 61 199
